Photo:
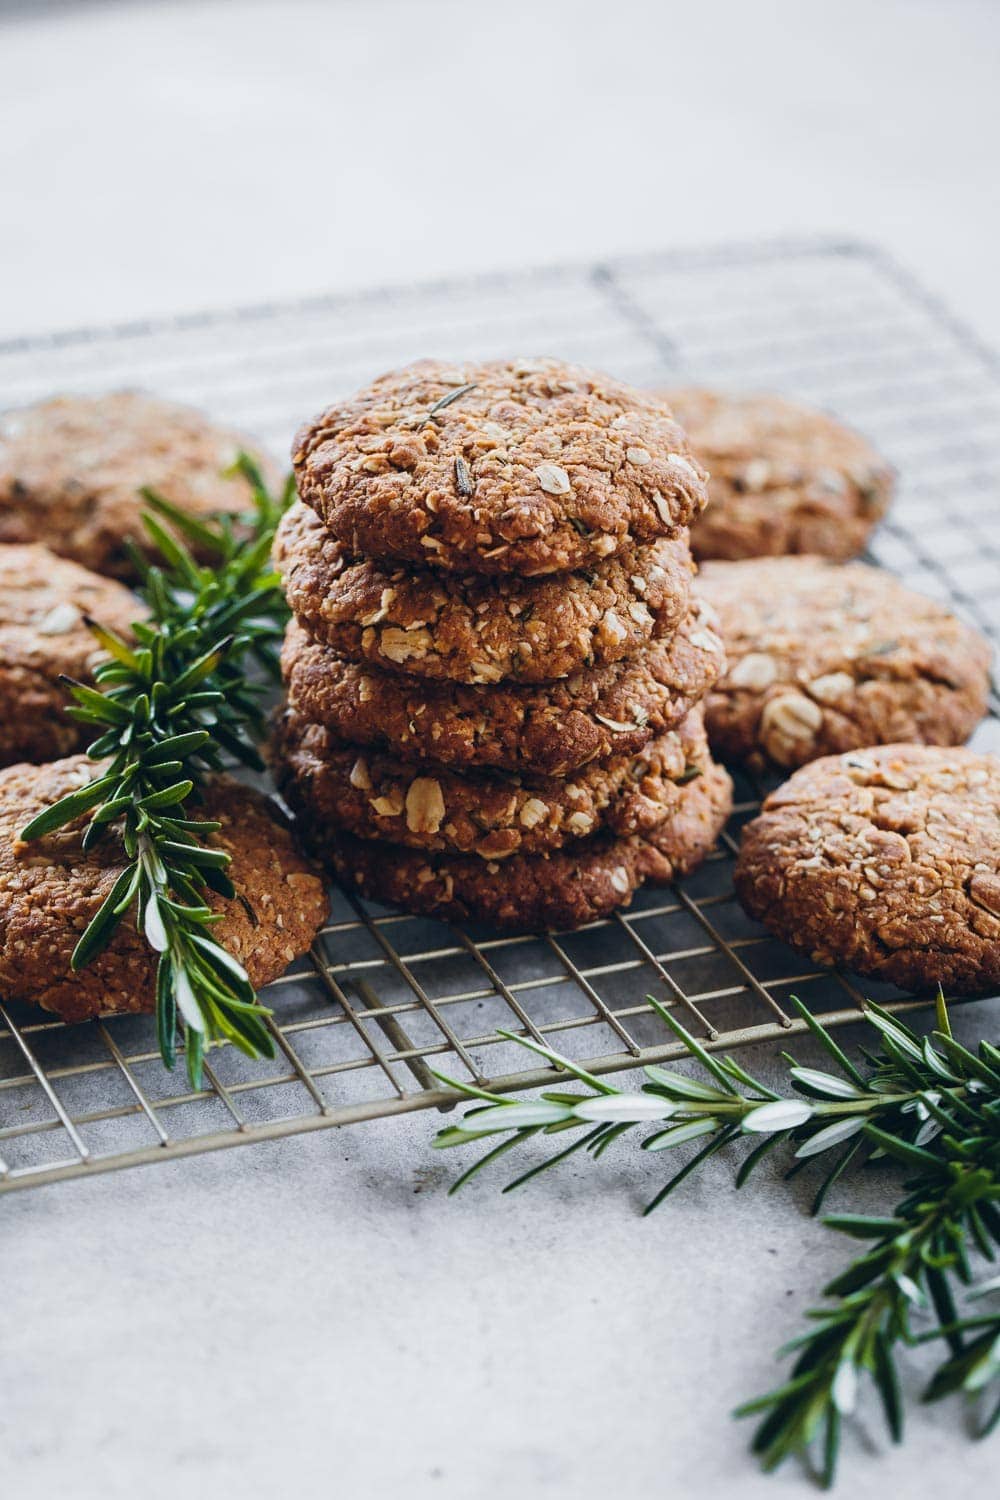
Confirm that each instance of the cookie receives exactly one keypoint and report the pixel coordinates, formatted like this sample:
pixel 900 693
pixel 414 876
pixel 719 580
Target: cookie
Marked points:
pixel 71 469
pixel 825 657
pixel 784 477
pixel 886 861
pixel 525 466
pixel 547 730
pixel 474 629
pixel 535 893
pixel 43 601
pixel 492 814
pixel 49 891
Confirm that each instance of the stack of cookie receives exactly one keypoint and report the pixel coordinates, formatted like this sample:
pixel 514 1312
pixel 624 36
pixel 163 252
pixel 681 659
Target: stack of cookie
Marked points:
pixel 495 669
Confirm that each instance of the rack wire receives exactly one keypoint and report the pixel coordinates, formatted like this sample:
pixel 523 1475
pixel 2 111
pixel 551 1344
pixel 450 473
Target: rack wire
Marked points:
pixel 385 998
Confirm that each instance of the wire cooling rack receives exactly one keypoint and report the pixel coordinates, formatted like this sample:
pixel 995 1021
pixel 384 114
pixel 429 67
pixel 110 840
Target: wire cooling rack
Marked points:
pixel 384 998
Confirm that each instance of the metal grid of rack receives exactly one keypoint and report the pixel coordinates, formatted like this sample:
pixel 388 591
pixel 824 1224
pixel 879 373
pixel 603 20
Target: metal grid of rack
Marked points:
pixel 385 998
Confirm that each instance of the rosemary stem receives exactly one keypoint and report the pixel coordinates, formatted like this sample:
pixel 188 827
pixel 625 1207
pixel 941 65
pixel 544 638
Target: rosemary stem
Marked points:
pixel 738 1108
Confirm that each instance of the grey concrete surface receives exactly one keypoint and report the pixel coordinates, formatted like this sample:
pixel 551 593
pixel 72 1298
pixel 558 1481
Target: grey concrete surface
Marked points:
pixel 315 1317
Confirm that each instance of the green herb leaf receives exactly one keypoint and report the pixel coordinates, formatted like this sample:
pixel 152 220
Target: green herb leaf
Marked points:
pixel 167 710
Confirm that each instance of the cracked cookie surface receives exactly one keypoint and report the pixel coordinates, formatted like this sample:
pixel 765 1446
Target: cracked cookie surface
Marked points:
pixel 43 601
pixel 71 469
pixel 784 477
pixel 474 629
pixel 549 729
pixel 887 861
pixel 50 890
pixel 493 815
pixel 523 466
pixel 534 893
pixel 824 657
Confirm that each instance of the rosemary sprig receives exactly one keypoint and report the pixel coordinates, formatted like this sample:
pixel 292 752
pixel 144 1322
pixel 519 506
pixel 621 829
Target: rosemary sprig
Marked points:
pixel 168 710
pixel 927 1102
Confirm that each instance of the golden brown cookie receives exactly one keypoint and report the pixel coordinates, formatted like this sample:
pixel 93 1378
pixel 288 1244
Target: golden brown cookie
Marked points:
pixel 49 891
pixel 533 893
pixel 522 466
pixel 474 629
pixel 71 469
pixel 43 601
pixel 784 477
pixel 492 814
pixel 549 729
pixel 825 657
pixel 886 861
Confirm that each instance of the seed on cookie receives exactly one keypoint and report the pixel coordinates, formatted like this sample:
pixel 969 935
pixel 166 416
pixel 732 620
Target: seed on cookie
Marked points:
pixel 886 862
pixel 71 470
pixel 475 629
pixel 525 467
pixel 788 726
pixel 44 604
pixel 756 671
pixel 827 657
pixel 784 477
pixel 50 890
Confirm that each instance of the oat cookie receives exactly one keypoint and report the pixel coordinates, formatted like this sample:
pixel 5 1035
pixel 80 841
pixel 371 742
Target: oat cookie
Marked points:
pixel 492 814
pixel 784 477
pixel 886 861
pixel 49 891
pixel 43 601
pixel 532 893
pixel 549 730
pixel 523 466
pixel 474 629
pixel 71 469
pixel 825 657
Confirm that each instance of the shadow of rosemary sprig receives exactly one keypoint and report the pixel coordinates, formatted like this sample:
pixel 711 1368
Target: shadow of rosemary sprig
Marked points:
pixel 926 1102
pixel 169 709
